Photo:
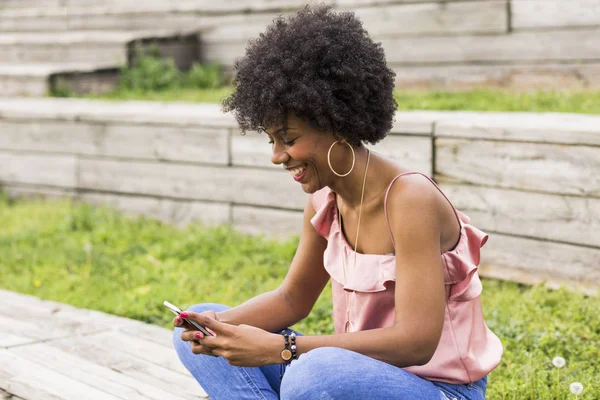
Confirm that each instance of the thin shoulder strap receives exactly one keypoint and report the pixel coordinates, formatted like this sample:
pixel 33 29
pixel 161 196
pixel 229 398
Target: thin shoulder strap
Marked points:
pixel 388 192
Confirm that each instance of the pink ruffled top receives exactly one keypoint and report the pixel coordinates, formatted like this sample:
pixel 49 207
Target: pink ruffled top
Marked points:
pixel 468 350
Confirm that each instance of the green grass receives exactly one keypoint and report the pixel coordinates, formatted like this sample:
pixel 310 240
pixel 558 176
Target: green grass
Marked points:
pixel 96 258
pixel 587 102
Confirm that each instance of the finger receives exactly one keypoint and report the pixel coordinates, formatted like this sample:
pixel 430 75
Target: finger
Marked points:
pixel 215 325
pixel 190 336
pixel 199 348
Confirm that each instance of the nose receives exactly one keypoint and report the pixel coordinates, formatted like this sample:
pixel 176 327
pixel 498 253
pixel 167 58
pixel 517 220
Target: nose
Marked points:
pixel 279 156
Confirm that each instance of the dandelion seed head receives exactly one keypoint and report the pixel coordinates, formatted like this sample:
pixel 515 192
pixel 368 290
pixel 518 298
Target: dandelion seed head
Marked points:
pixel 576 388
pixel 558 362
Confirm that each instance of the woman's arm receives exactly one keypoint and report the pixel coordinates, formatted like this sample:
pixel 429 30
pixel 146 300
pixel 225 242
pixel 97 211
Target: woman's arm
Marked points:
pixel 293 300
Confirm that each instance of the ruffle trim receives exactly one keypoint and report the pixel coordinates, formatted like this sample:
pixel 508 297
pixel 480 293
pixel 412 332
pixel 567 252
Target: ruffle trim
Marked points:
pixel 373 271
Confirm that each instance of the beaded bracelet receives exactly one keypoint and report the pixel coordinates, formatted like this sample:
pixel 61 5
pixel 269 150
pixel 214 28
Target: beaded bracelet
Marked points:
pixel 289 352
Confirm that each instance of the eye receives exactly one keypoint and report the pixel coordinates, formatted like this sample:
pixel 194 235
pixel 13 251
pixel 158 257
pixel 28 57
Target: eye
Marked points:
pixel 289 142
pixel 271 142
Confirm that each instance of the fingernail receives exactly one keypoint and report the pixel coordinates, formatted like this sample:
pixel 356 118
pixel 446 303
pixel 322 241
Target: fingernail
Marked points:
pixel 178 320
pixel 198 335
pixel 184 315
pixel 210 330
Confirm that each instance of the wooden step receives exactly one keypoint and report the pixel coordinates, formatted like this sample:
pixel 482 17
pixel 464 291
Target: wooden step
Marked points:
pixel 103 49
pixel 42 79
pixel 85 354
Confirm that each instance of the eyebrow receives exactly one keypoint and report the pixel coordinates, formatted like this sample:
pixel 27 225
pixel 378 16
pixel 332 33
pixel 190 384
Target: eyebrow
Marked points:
pixel 284 130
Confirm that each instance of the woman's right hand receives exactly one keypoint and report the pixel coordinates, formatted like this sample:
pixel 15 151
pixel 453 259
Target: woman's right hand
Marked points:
pixel 195 344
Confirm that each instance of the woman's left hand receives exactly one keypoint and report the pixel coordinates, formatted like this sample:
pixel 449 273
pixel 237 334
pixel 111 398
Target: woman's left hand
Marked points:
pixel 242 345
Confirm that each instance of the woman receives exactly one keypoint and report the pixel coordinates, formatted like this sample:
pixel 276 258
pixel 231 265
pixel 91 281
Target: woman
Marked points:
pixel 402 260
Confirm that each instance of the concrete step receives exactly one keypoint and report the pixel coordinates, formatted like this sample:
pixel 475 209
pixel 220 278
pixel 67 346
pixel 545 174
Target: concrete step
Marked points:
pixel 103 49
pixel 41 79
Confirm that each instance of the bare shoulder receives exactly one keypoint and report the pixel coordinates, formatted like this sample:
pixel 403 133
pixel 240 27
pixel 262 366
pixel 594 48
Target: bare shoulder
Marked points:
pixel 415 204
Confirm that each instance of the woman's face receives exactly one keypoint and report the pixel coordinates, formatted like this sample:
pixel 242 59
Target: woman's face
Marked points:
pixel 302 151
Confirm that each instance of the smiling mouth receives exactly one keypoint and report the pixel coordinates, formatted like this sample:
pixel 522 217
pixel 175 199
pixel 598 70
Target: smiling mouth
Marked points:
pixel 298 173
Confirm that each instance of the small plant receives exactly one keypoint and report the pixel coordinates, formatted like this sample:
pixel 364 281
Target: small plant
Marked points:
pixel 204 76
pixel 150 73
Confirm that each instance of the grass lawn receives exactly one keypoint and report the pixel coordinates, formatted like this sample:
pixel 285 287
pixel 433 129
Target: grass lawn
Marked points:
pixel 477 100
pixel 96 258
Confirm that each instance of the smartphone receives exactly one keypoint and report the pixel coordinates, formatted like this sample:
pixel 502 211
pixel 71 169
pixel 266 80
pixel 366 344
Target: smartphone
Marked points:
pixel 176 310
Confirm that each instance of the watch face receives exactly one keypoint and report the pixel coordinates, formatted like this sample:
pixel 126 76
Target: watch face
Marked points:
pixel 286 354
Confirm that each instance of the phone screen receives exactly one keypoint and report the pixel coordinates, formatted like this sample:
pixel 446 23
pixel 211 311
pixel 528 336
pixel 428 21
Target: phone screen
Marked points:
pixel 177 311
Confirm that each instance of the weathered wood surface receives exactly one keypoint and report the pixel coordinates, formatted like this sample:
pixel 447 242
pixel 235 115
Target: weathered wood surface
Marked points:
pixel 132 112
pixel 568 45
pixel 434 18
pixel 7 396
pixel 535 261
pixel 544 46
pixel 558 128
pixel 273 223
pixel 368 3
pixel 196 144
pixel 561 218
pixel 177 212
pixel 38 169
pixel 85 354
pixel 546 75
pixel 35 191
pixel 238 185
pixel 390 21
pixel 535 14
pixel 548 168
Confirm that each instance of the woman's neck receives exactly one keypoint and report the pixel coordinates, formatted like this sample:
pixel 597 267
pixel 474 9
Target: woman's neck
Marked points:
pixel 350 187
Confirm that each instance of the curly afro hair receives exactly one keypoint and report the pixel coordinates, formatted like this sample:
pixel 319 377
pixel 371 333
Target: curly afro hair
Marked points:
pixel 321 66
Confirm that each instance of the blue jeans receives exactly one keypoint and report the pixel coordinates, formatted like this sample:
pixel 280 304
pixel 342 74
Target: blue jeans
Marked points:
pixel 322 373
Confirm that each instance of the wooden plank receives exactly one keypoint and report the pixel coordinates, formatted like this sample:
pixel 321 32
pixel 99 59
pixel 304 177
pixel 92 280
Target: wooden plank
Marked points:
pixel 558 128
pixel 566 219
pixel 535 261
pixel 380 21
pixel 38 169
pixel 8 339
pixel 38 326
pixel 535 14
pixel 252 150
pixel 100 111
pixel 528 76
pixel 368 3
pixel 87 372
pixel 269 222
pixel 412 152
pixel 31 380
pixel 178 212
pixel 126 140
pixel 128 363
pixel 144 141
pixel 233 28
pixel 54 313
pixel 136 345
pixel 221 184
pixel 434 18
pixel 548 168
pixel 568 45
pixel 8 396
pixel 17 191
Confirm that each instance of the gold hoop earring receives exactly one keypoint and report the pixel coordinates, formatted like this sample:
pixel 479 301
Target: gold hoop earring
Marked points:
pixel 329 159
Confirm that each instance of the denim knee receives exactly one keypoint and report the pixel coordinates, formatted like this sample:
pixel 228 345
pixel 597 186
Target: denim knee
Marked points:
pixel 312 375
